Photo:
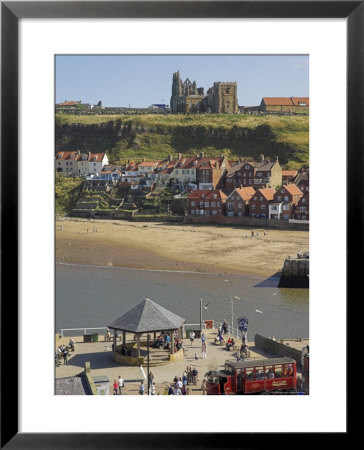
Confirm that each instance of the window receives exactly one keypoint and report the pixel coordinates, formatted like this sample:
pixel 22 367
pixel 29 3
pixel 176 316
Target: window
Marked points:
pixel 286 208
pixel 207 204
pixel 285 216
pixel 253 206
pixel 201 204
pixel 230 213
pixel 247 167
pixel 230 206
pixel 286 198
pixel 274 208
pixel 214 213
pixel 255 198
pixel 206 213
pixel 213 204
pixel 176 171
pixel 282 191
pixel 193 211
pixel 240 205
pixel 218 204
pixel 261 199
pixel 244 174
pixel 183 171
pixel 279 198
pixel 240 214
pixel 262 207
pixel 187 171
pixel 193 204
pixel 303 208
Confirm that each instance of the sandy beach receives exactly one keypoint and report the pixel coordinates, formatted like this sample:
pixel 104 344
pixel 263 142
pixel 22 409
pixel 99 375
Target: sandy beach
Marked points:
pixel 162 246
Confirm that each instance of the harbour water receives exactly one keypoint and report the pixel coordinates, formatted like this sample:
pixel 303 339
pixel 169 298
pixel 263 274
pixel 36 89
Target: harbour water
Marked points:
pixel 94 296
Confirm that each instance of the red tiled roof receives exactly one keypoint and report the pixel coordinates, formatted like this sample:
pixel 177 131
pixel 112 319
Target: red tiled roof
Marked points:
pixel 298 100
pixel 289 173
pixel 293 189
pixel 267 193
pixel 147 164
pixel 96 157
pixel 66 155
pixel 199 193
pixel 245 193
pixel 285 101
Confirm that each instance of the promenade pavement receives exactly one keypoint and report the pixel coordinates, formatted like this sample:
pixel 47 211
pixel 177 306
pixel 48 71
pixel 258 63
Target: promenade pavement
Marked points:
pixel 99 355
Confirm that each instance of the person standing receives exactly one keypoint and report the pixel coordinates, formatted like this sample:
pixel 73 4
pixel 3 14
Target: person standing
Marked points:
pixel 203 337
pixel 121 384
pixel 115 387
pixel 65 355
pixel 192 337
pixel 141 388
pixel 194 376
pixel 204 350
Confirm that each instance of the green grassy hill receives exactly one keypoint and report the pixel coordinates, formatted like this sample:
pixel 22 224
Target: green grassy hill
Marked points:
pixel 156 136
pixel 67 191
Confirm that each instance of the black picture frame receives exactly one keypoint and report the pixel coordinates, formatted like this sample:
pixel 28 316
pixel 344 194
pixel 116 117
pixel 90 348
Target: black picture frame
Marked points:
pixel 11 12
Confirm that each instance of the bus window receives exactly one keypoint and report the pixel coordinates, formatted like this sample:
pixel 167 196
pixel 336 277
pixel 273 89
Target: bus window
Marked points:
pixel 269 372
pixel 259 373
pixel 229 369
pixel 250 374
pixel 287 370
pixel 278 371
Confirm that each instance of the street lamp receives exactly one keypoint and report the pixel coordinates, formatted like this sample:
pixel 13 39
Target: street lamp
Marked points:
pixel 232 311
pixel 148 337
pixel 201 313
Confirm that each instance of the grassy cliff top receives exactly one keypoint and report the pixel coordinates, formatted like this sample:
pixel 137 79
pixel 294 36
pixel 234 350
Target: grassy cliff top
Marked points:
pixel 286 136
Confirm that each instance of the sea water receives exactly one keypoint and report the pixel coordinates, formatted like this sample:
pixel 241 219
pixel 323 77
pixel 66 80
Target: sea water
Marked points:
pixel 94 296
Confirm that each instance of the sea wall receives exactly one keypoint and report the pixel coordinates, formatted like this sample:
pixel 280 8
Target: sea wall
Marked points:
pixel 278 348
pixel 295 273
pixel 248 222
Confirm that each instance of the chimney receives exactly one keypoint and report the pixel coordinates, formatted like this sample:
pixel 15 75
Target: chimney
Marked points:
pixel 261 158
pixel 89 155
pixel 78 152
pixel 179 155
pixel 202 154
pixel 143 159
pixel 240 159
pixel 277 158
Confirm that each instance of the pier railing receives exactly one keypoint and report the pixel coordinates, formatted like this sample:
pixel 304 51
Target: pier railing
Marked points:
pixel 87 330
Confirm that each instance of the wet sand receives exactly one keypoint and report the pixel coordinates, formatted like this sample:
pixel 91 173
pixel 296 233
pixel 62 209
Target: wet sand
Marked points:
pixel 182 247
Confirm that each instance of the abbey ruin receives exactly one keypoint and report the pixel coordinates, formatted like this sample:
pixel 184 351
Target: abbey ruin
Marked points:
pixel 186 97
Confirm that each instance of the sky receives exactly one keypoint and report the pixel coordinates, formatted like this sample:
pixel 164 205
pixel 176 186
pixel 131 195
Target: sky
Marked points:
pixel 143 80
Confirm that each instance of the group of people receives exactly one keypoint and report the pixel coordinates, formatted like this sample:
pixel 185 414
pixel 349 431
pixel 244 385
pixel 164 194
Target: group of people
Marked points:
pixel 163 340
pixel 118 385
pixel 151 385
pixel 179 385
pixel 230 343
pixel 63 352
pixel 242 352
pixel 125 351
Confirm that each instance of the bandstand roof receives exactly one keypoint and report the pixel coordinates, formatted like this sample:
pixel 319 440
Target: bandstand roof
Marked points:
pixel 147 316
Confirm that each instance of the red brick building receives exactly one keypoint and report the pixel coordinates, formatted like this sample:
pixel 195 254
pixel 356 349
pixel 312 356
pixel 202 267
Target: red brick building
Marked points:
pixel 287 197
pixel 302 210
pixel 259 174
pixel 237 204
pixel 206 203
pixel 259 202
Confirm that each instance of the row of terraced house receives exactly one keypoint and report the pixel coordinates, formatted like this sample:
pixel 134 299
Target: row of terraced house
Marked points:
pixel 216 186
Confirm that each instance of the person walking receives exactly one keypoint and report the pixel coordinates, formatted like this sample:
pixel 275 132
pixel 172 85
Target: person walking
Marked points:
pixel 238 355
pixel 141 388
pixel 115 387
pixel 121 384
pixel 192 337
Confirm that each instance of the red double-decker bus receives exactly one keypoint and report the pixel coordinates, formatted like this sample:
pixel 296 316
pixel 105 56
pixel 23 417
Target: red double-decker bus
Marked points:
pixel 264 376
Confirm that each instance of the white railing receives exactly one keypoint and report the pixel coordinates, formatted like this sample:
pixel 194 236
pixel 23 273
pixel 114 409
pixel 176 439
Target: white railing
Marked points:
pixel 231 330
pixel 62 330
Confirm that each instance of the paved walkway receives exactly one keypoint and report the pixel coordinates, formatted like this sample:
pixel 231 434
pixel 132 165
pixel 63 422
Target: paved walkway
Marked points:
pixel 99 355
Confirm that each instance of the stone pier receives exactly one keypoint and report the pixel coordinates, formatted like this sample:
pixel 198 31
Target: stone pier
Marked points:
pixel 295 272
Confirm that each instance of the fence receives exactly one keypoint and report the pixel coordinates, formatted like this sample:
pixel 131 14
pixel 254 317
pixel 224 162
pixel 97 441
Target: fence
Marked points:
pixel 86 330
